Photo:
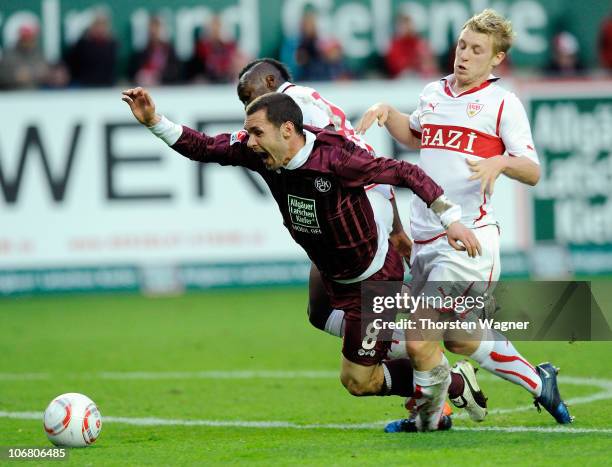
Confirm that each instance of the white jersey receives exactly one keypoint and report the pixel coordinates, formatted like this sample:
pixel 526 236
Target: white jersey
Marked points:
pixel 482 122
pixel 321 113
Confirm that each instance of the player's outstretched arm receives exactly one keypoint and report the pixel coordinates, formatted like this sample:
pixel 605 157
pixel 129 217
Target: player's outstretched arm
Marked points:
pixel 458 236
pixel 396 123
pixel 355 167
pixel 224 149
pixel 486 171
pixel 142 106
pixel 463 239
pixel 522 169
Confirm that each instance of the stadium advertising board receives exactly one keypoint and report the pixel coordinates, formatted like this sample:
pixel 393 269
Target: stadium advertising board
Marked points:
pixel 83 186
pixel 573 200
pixel 363 27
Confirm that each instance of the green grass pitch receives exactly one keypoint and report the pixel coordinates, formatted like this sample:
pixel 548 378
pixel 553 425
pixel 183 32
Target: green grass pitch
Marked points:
pixel 153 358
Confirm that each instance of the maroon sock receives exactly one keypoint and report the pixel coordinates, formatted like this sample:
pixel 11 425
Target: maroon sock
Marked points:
pixel 398 378
pixel 456 386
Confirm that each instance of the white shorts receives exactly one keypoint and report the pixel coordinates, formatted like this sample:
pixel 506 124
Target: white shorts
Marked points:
pixel 383 190
pixel 382 208
pixel 440 270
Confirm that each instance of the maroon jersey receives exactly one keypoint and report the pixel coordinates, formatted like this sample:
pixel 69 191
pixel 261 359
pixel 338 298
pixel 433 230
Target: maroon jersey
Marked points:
pixel 323 203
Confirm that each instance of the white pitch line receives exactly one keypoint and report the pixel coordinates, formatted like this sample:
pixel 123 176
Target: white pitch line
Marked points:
pixel 534 429
pixel 253 374
pixel 237 374
pixel 604 384
pixel 321 426
pixel 23 376
pixel 163 375
pixel 605 394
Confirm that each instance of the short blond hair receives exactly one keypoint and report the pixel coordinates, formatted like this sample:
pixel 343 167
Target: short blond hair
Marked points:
pixel 490 22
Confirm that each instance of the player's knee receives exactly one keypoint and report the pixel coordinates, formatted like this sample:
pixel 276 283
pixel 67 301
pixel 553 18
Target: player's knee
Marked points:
pixel 354 385
pixel 461 348
pixel 356 388
pixel 416 348
pixel 453 346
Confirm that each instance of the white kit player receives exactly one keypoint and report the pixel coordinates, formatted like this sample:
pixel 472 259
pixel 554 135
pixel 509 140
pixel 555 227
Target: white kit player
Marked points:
pixel 470 130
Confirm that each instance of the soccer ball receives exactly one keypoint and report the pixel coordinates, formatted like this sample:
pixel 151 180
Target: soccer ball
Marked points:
pixel 72 420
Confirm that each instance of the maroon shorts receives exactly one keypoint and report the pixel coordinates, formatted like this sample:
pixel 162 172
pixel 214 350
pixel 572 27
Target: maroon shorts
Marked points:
pixel 364 348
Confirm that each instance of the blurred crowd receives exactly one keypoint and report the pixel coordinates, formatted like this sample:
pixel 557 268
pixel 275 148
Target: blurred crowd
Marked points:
pixel 93 60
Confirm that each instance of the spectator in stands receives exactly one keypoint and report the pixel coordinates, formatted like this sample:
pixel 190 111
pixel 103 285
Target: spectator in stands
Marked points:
pixel 311 65
pixel 565 60
pixel 157 63
pixel 58 76
pixel 605 43
pixel 216 59
pixel 23 66
pixel 409 53
pixel 335 67
pixel 288 54
pixel 93 59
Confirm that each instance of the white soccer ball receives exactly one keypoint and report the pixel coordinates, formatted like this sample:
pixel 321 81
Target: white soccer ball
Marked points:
pixel 72 420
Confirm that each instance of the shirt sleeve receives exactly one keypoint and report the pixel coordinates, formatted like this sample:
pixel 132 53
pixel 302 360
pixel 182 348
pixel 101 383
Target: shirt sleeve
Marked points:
pixel 313 114
pixel 514 129
pixel 224 149
pixel 415 118
pixel 355 167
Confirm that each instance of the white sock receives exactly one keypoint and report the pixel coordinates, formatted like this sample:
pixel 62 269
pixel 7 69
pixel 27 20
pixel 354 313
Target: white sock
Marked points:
pixel 430 392
pixel 502 359
pixel 398 345
pixel 335 323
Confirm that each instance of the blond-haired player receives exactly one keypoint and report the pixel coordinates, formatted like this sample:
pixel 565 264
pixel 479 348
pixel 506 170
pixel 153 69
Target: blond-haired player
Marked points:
pixel 470 130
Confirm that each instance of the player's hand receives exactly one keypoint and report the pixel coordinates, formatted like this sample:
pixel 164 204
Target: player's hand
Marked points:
pixel 487 171
pixel 402 244
pixel 456 233
pixel 142 105
pixel 378 112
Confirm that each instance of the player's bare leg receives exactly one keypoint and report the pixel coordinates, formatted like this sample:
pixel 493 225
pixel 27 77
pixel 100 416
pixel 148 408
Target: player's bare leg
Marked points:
pixel 360 380
pixel 364 371
pixel 389 378
pixel 366 380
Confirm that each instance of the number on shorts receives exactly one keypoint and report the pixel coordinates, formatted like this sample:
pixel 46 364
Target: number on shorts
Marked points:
pixel 369 341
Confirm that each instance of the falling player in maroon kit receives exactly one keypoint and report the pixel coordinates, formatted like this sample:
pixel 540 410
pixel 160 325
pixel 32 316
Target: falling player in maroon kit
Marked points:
pixel 317 177
pixel 265 75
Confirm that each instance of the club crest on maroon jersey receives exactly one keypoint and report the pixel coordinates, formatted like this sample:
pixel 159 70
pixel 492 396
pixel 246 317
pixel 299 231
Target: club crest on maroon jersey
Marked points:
pixel 322 184
pixel 238 137
pixel 473 108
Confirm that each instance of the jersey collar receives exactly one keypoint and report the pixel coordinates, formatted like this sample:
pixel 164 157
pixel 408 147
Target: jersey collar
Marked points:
pixel 302 155
pixel 283 87
pixel 448 79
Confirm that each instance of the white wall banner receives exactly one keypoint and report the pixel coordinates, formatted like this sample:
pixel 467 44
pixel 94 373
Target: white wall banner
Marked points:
pixel 83 184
